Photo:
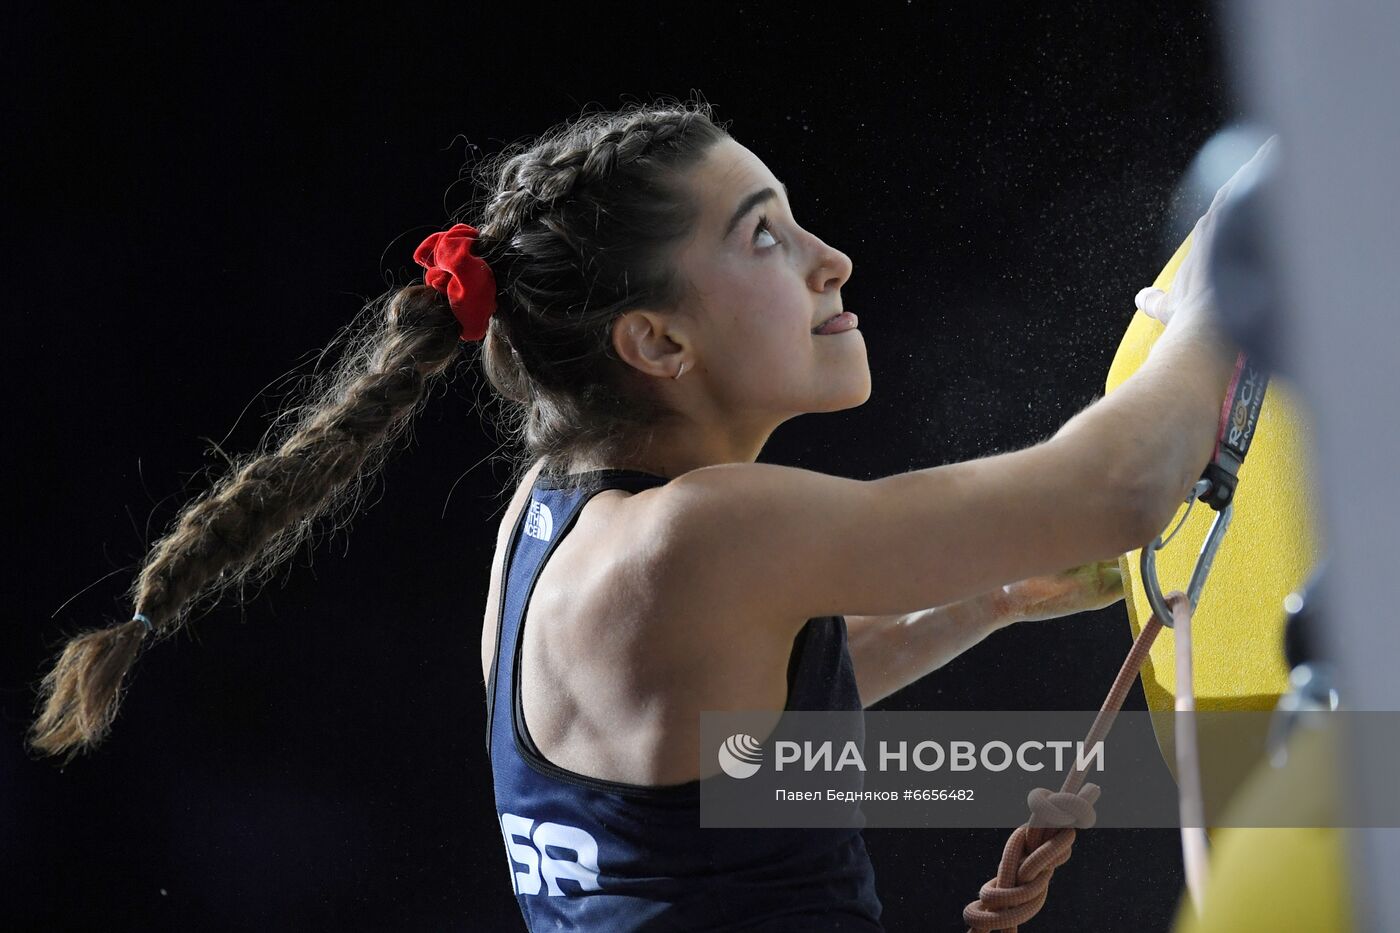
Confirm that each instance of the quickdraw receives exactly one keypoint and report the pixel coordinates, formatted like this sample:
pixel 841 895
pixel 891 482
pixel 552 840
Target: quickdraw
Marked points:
pixel 1239 417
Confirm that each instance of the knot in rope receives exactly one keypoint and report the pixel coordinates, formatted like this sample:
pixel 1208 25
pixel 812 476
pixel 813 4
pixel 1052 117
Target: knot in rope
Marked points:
pixel 1031 856
pixel 1061 808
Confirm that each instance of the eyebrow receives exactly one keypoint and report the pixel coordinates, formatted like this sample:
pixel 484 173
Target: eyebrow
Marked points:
pixel 749 203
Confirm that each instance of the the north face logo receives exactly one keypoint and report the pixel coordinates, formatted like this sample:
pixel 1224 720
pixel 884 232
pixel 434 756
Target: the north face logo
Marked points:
pixel 540 522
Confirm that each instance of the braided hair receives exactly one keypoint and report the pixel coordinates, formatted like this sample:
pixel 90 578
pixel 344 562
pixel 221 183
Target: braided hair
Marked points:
pixel 578 226
pixel 578 229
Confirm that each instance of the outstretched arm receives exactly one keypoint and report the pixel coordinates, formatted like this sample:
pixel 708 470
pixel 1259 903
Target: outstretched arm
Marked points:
pixel 892 651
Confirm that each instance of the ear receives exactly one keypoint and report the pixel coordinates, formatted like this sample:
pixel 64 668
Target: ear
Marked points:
pixel 650 342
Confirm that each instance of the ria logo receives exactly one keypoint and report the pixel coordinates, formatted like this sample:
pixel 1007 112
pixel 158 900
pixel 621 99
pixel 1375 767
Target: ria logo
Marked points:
pixel 740 755
pixel 540 522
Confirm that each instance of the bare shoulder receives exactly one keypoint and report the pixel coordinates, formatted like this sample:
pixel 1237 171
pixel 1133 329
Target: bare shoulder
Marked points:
pixel 715 536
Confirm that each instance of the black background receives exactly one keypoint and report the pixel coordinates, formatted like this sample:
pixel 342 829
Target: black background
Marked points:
pixel 199 199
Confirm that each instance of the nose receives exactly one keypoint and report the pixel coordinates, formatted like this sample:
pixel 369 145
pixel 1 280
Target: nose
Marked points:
pixel 832 268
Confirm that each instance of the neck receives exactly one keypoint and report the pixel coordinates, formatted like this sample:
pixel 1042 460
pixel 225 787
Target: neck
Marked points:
pixel 673 450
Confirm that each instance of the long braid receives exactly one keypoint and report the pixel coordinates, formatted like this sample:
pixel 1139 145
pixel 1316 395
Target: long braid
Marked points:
pixel 259 513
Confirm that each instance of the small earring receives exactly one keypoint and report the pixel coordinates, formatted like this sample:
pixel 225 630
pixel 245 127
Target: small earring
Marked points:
pixel 679 371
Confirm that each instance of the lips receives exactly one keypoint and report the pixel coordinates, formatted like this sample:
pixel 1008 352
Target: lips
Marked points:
pixel 837 323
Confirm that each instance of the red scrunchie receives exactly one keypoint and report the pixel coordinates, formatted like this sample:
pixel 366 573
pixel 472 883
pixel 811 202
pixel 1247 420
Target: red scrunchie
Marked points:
pixel 465 279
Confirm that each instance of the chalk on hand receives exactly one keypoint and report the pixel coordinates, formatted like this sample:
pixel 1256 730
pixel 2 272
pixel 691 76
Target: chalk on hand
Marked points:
pixel 1152 302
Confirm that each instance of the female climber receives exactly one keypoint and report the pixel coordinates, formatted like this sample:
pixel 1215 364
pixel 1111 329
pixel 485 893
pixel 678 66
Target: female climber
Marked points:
pixel 648 309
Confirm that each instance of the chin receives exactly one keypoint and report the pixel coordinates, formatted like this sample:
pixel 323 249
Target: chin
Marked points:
pixel 859 399
pixel 854 396
pixel 861 393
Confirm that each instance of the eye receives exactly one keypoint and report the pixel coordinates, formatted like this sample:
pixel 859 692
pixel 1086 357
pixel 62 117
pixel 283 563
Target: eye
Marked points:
pixel 763 229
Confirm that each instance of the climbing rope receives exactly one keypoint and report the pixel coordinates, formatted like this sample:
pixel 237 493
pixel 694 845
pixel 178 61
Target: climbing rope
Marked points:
pixel 1042 844
pixel 1190 797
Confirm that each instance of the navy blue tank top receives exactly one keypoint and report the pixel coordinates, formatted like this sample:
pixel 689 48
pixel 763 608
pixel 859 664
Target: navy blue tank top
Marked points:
pixel 587 854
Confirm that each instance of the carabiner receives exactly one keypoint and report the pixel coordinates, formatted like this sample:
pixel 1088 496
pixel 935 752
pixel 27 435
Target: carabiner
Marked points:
pixel 1202 490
